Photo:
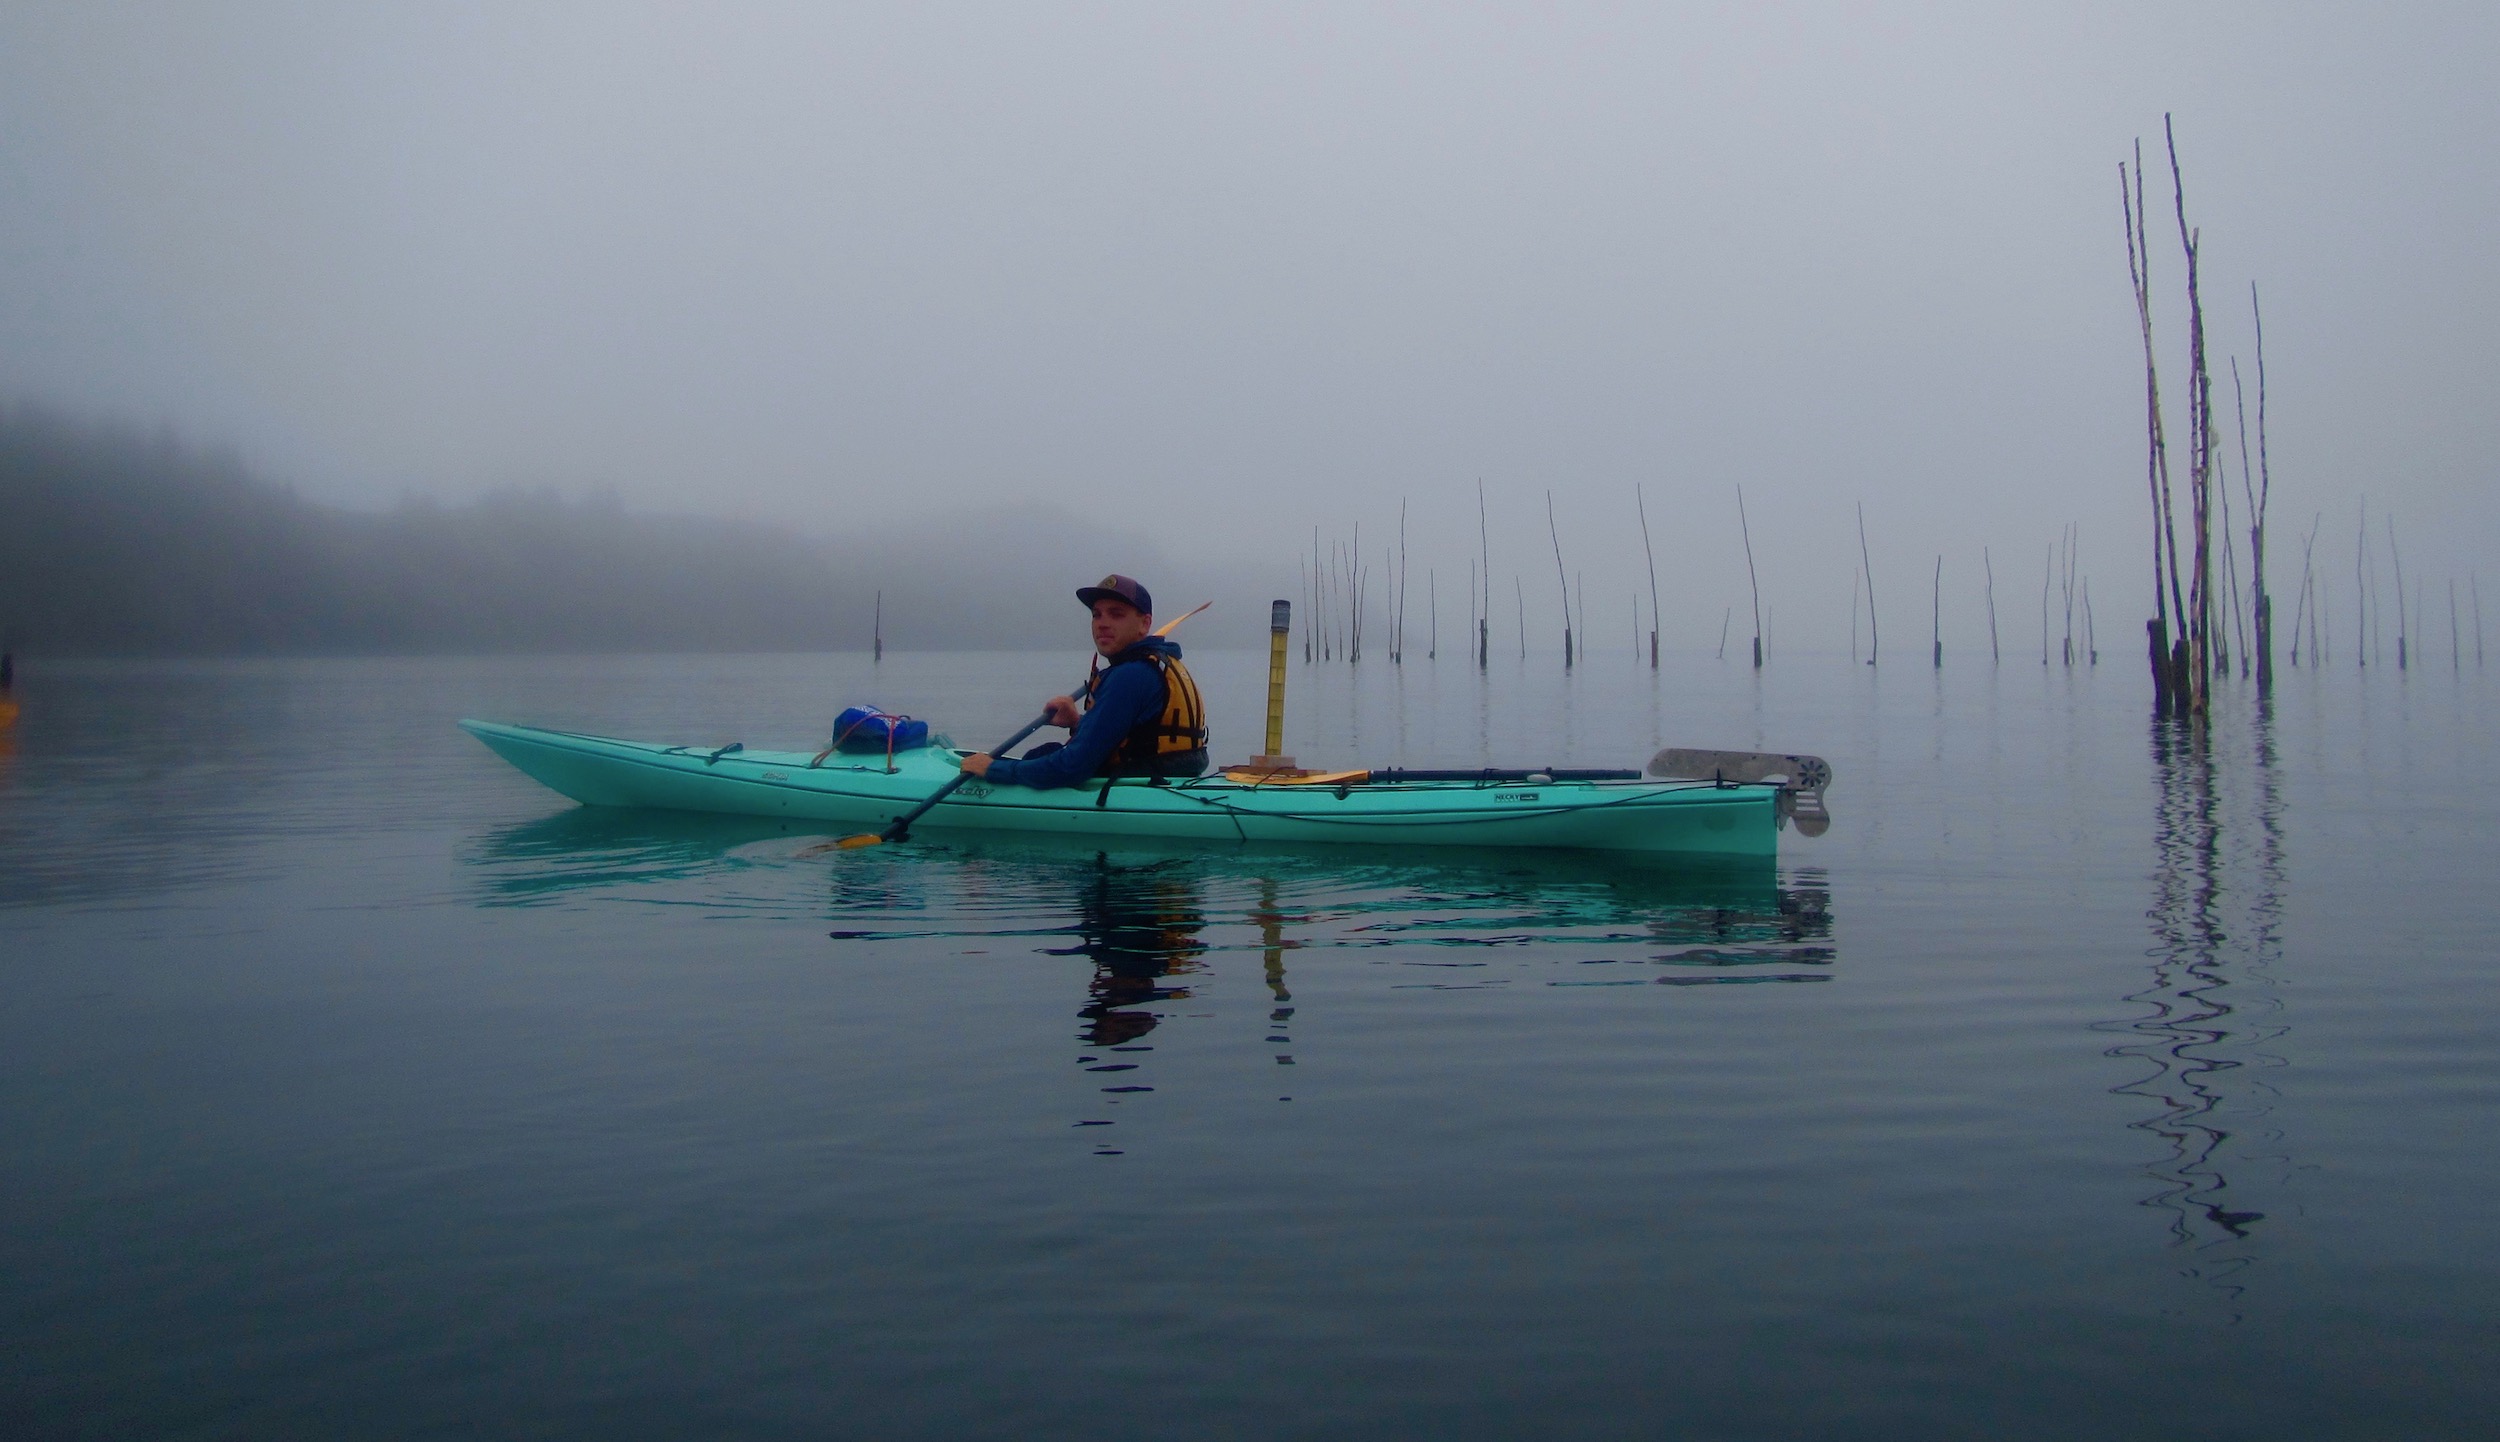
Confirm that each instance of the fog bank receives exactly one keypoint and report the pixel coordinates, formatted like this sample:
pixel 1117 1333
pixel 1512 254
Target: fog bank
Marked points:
pixel 114 540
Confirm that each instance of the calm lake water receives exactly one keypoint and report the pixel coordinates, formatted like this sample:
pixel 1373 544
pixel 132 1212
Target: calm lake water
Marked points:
pixel 2087 1079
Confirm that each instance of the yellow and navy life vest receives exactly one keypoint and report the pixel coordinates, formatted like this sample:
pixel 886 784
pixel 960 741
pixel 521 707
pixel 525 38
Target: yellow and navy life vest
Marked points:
pixel 1171 743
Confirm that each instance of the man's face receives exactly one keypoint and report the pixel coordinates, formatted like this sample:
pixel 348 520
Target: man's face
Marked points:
pixel 1118 626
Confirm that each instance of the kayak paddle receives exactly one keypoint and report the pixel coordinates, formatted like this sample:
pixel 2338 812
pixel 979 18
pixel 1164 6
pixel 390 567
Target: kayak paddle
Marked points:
pixel 900 829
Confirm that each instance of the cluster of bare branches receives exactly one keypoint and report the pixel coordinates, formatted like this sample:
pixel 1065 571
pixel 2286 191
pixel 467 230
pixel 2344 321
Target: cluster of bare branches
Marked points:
pixel 2185 660
pixel 1335 588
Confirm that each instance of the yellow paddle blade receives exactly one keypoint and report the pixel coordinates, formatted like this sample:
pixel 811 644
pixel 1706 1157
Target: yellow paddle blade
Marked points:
pixel 1167 627
pixel 853 843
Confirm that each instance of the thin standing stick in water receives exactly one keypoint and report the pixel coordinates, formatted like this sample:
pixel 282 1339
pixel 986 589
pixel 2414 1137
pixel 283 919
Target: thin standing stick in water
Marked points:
pixel 1484 619
pixel 2456 645
pixel 2403 632
pixel 2244 621
pixel 1746 530
pixel 879 653
pixel 2066 589
pixel 1937 607
pixel 1854 578
pixel 1319 599
pixel 1648 551
pixel 1397 634
pixel 1519 594
pixel 1984 560
pixel 2361 588
pixel 2322 627
pixel 1559 578
pixel 1432 598
pixel 1874 632
pixel 2048 574
pixel 1730 614
pixel 1356 573
pixel 2261 601
pixel 2317 654
pixel 2091 637
pixel 2300 603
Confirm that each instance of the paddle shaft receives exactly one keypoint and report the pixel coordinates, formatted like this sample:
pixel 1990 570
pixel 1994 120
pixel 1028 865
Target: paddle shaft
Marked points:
pixel 900 830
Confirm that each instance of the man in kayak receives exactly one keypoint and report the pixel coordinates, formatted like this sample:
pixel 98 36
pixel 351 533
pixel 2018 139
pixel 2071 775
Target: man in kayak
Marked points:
pixel 1140 715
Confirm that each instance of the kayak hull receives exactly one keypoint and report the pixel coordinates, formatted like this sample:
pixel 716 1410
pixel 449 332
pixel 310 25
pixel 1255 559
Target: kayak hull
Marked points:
pixel 860 793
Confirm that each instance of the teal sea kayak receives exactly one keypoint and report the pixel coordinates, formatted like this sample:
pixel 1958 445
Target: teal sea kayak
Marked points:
pixel 847 792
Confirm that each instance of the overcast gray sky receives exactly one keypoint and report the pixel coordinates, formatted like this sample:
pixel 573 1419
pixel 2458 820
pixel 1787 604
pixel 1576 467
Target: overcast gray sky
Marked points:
pixel 1217 274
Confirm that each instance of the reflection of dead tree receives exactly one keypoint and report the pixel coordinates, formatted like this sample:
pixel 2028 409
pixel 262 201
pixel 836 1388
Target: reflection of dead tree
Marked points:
pixel 2216 917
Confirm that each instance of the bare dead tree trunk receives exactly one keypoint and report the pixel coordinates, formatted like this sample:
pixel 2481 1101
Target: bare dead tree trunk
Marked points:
pixel 2200 475
pixel 2263 598
pixel 2157 451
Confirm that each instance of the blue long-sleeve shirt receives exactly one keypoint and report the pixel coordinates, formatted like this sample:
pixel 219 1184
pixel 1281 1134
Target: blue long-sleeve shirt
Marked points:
pixel 1127 697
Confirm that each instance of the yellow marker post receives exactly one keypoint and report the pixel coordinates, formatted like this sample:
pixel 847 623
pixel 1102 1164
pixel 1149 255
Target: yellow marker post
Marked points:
pixel 1279 624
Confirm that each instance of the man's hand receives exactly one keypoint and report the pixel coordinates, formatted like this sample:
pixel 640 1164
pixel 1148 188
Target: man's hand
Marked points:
pixel 976 763
pixel 1062 711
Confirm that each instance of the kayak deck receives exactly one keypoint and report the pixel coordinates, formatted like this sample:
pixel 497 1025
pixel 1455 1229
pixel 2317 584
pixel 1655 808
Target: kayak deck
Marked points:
pixel 859 792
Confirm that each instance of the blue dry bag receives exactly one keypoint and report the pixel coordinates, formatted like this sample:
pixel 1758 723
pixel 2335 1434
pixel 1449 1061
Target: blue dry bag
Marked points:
pixel 862 729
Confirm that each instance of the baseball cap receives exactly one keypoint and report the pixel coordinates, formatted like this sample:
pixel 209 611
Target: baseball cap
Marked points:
pixel 1118 588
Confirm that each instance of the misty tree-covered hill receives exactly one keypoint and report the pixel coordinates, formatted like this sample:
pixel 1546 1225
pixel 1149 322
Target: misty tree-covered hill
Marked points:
pixel 114 541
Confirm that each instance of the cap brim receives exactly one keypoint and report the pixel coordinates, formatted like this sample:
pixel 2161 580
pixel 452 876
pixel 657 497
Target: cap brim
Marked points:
pixel 1090 594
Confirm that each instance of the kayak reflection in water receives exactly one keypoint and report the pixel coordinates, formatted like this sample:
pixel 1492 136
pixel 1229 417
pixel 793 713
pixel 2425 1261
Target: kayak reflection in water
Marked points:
pixel 1141 925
